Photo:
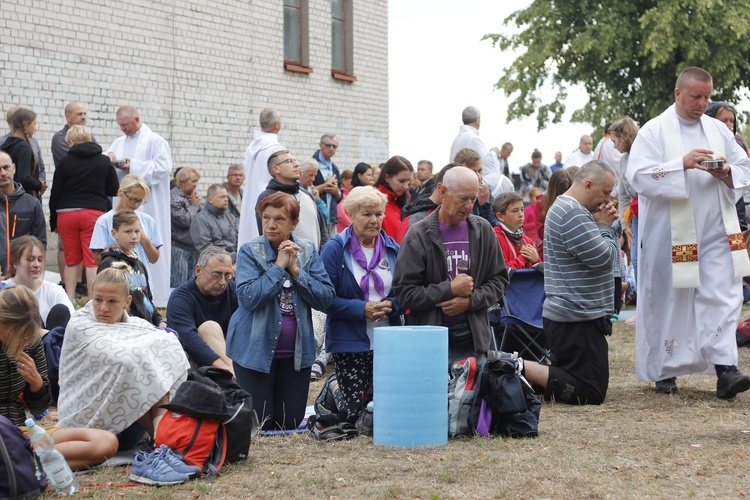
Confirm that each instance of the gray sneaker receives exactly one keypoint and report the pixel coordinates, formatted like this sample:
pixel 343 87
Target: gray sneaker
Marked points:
pixel 151 468
pixel 177 462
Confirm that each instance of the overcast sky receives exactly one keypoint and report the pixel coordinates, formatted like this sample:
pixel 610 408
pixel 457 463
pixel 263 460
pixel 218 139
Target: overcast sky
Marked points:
pixel 438 65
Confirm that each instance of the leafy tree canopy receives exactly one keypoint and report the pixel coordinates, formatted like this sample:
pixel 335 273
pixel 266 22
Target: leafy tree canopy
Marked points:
pixel 626 54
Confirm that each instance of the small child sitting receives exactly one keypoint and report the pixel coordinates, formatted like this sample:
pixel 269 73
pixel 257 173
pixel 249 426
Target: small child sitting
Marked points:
pixel 518 250
pixel 126 231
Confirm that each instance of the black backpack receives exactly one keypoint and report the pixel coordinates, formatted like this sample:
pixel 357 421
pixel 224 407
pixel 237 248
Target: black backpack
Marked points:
pixel 327 424
pixel 21 474
pixel 242 423
pixel 508 406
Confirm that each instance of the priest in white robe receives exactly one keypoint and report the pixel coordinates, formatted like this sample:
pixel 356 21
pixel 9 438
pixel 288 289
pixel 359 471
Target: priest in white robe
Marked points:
pixel 148 155
pixel 692 256
pixel 265 143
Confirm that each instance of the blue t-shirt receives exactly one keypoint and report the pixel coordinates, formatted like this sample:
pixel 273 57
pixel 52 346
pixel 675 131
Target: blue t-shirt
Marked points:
pixel 102 238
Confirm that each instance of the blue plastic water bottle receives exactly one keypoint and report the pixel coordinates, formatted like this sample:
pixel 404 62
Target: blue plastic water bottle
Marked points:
pixel 55 467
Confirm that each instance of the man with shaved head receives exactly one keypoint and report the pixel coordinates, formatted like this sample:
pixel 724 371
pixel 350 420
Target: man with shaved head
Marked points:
pixel 75 114
pixel 450 270
pixel 691 255
pixel 146 153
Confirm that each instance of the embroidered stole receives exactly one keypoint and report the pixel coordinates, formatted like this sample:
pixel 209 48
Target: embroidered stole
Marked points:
pixel 685 270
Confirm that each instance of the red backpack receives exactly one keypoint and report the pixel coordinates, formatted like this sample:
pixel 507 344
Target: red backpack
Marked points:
pixel 192 427
pixel 200 441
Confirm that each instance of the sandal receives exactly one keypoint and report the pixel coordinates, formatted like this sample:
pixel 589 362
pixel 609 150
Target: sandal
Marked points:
pixel 339 432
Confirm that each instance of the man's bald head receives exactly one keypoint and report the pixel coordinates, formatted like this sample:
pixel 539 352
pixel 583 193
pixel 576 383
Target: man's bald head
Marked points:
pixel 459 177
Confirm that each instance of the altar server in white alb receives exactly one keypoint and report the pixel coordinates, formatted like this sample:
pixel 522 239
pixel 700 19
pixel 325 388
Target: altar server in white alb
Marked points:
pixel 265 143
pixel 147 154
pixel 692 256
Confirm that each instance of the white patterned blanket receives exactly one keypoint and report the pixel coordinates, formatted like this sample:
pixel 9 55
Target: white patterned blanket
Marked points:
pixel 111 374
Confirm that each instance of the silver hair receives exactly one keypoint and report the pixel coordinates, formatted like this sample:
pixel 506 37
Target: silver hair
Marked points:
pixel 210 252
pixel 306 164
pixel 268 117
pixel 235 167
pixel 363 196
pixel 470 114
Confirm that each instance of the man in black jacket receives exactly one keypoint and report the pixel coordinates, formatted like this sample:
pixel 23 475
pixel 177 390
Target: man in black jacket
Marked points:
pixel 285 173
pixel 20 213
pixel 450 269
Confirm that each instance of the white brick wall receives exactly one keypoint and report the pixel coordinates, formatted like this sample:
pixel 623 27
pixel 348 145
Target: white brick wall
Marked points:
pixel 198 72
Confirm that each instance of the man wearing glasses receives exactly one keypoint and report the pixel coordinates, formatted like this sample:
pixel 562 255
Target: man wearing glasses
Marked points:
pixel 328 180
pixel 285 173
pixel 235 180
pixel 199 310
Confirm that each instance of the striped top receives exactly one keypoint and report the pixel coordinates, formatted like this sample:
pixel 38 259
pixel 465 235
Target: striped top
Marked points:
pixel 12 385
pixel 578 255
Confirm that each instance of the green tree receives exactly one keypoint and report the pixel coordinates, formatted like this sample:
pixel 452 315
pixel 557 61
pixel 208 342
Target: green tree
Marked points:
pixel 626 54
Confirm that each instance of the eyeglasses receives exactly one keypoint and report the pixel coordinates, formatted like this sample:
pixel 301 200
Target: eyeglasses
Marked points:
pixel 135 201
pixel 334 146
pixel 290 161
pixel 218 276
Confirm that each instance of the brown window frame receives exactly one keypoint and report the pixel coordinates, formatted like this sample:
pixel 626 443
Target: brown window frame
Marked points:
pixel 302 65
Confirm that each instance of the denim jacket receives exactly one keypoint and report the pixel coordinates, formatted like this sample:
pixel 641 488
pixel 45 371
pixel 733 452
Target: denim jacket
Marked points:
pixel 255 326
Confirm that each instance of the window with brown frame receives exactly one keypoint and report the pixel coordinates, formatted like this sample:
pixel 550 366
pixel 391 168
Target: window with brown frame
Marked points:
pixel 296 46
pixel 341 40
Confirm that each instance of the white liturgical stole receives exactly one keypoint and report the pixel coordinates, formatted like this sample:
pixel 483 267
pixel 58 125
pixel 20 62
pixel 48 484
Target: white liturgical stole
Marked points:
pixel 685 271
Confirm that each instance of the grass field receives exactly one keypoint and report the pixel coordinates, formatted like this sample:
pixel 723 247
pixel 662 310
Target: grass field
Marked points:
pixel 638 444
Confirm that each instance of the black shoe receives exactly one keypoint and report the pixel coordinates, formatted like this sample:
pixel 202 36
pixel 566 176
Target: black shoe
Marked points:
pixel 731 383
pixel 667 386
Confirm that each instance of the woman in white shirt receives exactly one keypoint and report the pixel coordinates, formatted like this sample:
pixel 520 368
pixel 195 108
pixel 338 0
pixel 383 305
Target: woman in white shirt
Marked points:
pixel 27 262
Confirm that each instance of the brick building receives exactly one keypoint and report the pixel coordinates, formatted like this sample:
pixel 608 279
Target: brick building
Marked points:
pixel 200 72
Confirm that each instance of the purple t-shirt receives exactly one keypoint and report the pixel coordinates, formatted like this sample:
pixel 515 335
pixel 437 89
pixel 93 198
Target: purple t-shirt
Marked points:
pixel 456 246
pixel 288 334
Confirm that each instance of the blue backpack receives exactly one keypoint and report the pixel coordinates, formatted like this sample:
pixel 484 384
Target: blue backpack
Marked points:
pixel 21 474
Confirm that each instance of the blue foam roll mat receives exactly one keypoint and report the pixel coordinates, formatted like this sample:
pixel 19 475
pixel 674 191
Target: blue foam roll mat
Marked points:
pixel 410 386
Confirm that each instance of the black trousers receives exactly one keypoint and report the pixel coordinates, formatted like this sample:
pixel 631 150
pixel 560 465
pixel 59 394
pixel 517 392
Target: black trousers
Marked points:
pixel 279 397
pixel 579 353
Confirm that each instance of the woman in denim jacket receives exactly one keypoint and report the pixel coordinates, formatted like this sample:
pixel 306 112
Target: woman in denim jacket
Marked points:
pixel 360 261
pixel 280 278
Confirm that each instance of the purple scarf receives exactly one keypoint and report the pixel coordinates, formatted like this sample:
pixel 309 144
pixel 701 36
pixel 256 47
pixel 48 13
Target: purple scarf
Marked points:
pixel 355 249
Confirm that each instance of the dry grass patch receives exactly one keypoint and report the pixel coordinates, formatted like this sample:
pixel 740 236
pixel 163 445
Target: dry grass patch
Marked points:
pixel 638 444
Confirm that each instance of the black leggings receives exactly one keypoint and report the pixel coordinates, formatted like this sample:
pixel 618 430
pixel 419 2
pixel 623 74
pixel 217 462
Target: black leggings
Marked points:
pixel 354 375
pixel 280 396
